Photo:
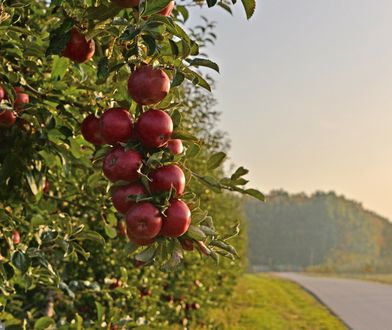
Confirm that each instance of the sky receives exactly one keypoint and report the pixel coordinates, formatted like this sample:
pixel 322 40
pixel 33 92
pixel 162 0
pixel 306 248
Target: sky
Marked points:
pixel 305 92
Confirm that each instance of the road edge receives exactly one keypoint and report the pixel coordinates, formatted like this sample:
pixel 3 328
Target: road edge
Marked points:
pixel 317 298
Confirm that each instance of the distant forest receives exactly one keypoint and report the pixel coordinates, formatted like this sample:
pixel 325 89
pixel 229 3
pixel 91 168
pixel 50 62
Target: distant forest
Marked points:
pixel 323 231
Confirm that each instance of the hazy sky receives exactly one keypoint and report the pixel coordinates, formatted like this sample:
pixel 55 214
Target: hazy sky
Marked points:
pixel 306 95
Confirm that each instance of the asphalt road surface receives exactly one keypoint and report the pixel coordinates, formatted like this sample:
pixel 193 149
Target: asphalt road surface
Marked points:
pixel 361 305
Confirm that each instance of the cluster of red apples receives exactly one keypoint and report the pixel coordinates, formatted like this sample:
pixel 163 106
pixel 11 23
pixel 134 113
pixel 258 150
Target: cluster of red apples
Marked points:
pixel 8 117
pixel 125 165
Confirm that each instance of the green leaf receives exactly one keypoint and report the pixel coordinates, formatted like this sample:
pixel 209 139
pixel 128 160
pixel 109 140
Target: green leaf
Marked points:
pixel 196 233
pixel 146 255
pixel 178 79
pixel 100 312
pixel 150 43
pixel 216 160
pixel 130 247
pixel 241 171
pixel 193 150
pixel 103 70
pixel 183 135
pixel 224 246
pixel 129 34
pixel 154 6
pixel 20 261
pixel 204 62
pixel 102 12
pixel 208 231
pixel 79 322
pixel 256 194
pixel 92 236
pixel 44 323
pixel 176 118
pixel 59 67
pixel 198 215
pixel 110 231
pixel 211 3
pixel 250 7
pixel 211 183
pixel 60 37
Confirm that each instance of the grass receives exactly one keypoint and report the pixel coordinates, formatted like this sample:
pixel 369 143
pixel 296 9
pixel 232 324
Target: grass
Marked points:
pixel 268 302
pixel 381 278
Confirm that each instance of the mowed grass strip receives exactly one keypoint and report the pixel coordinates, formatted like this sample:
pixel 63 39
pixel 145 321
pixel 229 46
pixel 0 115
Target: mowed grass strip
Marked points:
pixel 380 278
pixel 271 303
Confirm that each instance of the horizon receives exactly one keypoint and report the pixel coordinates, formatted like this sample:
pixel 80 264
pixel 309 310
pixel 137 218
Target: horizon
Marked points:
pixel 310 83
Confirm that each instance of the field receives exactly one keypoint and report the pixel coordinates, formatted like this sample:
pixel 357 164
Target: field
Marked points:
pixel 267 302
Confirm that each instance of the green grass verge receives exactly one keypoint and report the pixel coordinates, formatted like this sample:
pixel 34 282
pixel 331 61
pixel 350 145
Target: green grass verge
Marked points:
pixel 381 278
pixel 268 302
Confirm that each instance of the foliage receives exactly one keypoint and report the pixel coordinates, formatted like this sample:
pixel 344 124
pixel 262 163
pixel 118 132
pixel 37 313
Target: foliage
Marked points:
pixel 318 230
pixel 71 269
pixel 268 302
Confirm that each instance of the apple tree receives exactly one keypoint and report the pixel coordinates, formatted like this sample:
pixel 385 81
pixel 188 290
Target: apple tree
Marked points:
pixel 112 185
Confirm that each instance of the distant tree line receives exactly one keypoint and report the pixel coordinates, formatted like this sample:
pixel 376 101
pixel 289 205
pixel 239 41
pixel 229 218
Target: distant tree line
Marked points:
pixel 323 231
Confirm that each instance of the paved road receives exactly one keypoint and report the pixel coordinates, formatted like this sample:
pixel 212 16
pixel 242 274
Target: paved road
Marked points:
pixel 361 305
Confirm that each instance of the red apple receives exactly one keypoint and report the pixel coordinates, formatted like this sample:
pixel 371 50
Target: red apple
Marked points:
pixel 187 244
pixel 91 130
pixel 15 237
pixel 138 263
pixel 78 49
pixel 166 177
pixel 147 85
pixel 120 164
pixel 21 99
pixel 46 186
pixel 195 306
pixel 168 9
pixel 126 3
pixel 154 128
pixel 116 125
pixel 175 146
pixel 2 93
pixel 120 196
pixel 116 284
pixel 7 118
pixel 144 222
pixel 177 219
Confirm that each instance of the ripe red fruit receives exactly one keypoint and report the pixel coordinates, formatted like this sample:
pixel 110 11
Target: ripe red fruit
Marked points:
pixel 195 306
pixel 143 221
pixel 78 49
pixel 166 177
pixel 7 118
pixel 175 146
pixel 116 125
pixel 138 263
pixel 91 130
pixel 120 164
pixel 46 186
pixel 154 128
pixel 21 99
pixel 187 244
pixel 15 237
pixel 147 85
pixel 177 220
pixel 116 284
pixel 144 292
pixel 120 196
pixel 168 9
pixel 2 93
pixel 126 3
